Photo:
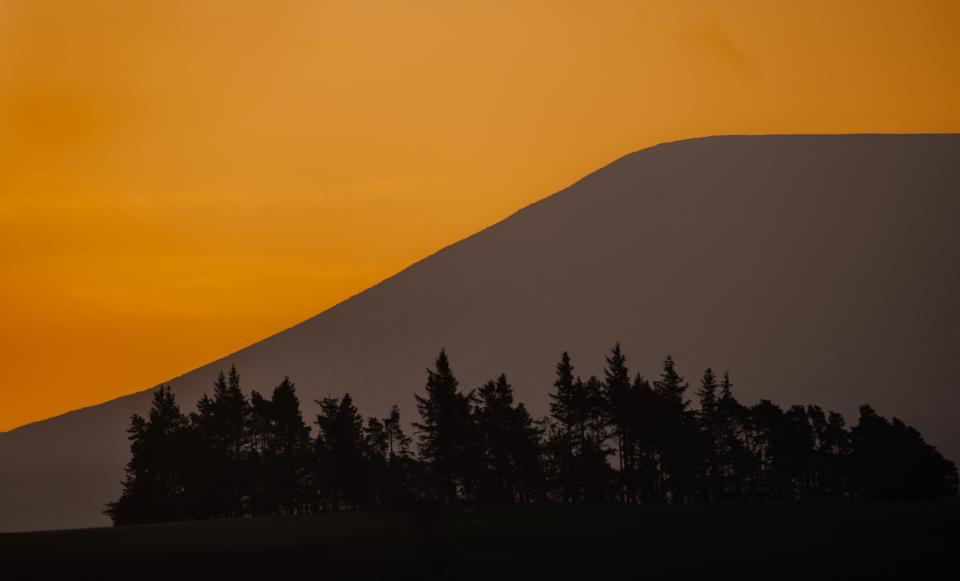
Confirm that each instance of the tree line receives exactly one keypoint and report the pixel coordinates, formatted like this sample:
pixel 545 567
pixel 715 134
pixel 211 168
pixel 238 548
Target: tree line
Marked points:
pixel 616 438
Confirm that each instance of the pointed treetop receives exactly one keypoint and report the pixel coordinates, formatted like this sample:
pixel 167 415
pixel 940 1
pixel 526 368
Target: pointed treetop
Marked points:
pixel 707 391
pixel 234 378
pixel 726 386
pixel 616 375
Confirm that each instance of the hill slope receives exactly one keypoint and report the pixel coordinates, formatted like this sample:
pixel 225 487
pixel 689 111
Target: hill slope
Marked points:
pixel 818 269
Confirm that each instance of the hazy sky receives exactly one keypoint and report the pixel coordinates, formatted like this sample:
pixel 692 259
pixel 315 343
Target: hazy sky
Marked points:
pixel 181 178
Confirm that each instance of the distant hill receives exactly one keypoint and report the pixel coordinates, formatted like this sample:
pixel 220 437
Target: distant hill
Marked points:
pixel 817 269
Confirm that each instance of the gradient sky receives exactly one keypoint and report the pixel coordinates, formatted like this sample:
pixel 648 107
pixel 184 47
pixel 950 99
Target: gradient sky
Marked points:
pixel 180 178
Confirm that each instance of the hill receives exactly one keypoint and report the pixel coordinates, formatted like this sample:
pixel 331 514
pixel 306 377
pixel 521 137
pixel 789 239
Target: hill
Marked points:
pixel 817 269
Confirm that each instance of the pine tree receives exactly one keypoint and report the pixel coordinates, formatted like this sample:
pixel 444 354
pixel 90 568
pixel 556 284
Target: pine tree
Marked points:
pixel 208 462
pixel 671 387
pixel 735 463
pixel 398 443
pixel 157 474
pixel 398 481
pixel 678 436
pixel 341 450
pixel 891 461
pixel 709 420
pixel 527 456
pixel 509 443
pixel 833 450
pixel 375 461
pixel 289 457
pixel 138 501
pixel 445 431
pixel 617 405
pixel 494 415
pixel 645 426
pixel 234 409
pixel 707 393
pixel 566 428
pixel 769 440
pixel 562 399
pixel 220 425
pixel 593 451
pixel 799 453
pixel 326 478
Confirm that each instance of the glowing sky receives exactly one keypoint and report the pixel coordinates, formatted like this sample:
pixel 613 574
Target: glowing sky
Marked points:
pixel 179 179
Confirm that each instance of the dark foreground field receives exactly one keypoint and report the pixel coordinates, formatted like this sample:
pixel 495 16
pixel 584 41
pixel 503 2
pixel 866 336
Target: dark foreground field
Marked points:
pixel 759 541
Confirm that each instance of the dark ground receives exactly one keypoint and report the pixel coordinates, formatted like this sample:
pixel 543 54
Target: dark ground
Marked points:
pixel 757 541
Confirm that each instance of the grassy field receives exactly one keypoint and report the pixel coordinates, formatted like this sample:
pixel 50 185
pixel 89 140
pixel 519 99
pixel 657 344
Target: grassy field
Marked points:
pixel 757 541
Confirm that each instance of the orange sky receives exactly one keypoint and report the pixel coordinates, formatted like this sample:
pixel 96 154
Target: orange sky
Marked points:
pixel 180 178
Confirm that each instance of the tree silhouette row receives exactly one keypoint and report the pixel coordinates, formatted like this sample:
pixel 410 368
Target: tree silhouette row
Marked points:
pixel 615 438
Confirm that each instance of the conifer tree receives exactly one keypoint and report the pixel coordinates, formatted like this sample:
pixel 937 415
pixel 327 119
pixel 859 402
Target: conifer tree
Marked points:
pixel 707 393
pixel 891 461
pixel 509 445
pixel 342 454
pixel 375 461
pixel 445 430
pixel 527 456
pixel 617 405
pixel 157 476
pixel 593 451
pixel 398 443
pixel 735 463
pixel 565 429
pixel 677 436
pixel 325 475
pixel 220 425
pixel 562 399
pixel 709 420
pixel 398 486
pixel 833 452
pixel 645 426
pixel 289 458
pixel 494 415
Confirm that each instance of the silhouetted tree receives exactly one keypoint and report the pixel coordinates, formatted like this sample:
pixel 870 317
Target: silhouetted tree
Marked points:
pixel 509 444
pixel 445 431
pixel 831 455
pixel 677 434
pixel 220 424
pixel 398 488
pixel 156 475
pixel 561 400
pixel 285 453
pixel 765 437
pixel 565 429
pixel 736 465
pixel 376 461
pixel 341 459
pixel 797 464
pixel 593 450
pixel 527 456
pixel 619 408
pixel 645 421
pixel 891 461
pixel 710 436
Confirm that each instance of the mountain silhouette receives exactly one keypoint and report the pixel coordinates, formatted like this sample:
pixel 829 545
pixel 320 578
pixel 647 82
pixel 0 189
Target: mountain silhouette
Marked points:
pixel 815 268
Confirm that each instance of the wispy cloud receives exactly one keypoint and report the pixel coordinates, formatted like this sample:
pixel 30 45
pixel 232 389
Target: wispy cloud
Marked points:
pixel 713 38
